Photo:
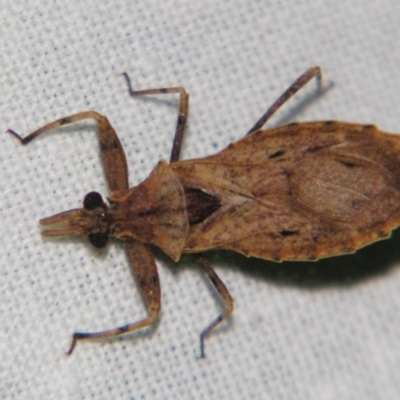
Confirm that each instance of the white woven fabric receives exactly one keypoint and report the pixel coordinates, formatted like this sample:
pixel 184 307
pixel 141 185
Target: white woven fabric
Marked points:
pixel 326 330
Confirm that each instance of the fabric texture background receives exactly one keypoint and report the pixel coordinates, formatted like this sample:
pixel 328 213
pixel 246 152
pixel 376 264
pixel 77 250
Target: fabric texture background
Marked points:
pixel 323 330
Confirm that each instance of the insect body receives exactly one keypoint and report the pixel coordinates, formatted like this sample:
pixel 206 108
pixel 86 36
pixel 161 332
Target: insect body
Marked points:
pixel 302 191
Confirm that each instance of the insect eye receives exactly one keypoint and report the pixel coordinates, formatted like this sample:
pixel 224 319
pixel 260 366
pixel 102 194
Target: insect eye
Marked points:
pixel 92 200
pixel 98 239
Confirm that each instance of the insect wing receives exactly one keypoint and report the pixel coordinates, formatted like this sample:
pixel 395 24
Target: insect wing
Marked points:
pixel 298 192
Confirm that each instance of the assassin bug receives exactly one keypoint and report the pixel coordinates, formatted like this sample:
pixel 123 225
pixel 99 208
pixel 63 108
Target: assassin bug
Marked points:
pixel 302 191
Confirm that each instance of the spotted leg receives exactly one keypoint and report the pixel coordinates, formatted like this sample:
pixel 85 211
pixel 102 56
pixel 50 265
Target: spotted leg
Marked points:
pixel 144 269
pixel 225 296
pixel 300 82
pixel 112 153
pixel 183 110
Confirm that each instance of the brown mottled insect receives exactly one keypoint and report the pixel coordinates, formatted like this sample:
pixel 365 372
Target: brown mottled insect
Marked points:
pixel 302 191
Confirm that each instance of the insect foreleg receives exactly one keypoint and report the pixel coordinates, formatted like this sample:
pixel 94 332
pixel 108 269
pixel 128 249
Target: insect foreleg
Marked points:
pixel 144 270
pixel 225 295
pixel 183 110
pixel 112 153
pixel 301 81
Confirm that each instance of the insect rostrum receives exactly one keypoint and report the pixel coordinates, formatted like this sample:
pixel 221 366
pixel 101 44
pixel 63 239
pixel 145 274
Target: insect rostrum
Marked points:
pixel 302 191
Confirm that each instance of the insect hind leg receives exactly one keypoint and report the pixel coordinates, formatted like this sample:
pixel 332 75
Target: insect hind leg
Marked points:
pixel 300 82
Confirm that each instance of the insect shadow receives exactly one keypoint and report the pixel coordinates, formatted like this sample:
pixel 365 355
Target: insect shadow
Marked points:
pixel 345 270
pixel 301 106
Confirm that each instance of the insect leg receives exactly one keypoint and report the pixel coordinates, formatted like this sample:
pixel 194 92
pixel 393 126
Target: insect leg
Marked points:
pixel 183 110
pixel 301 81
pixel 144 269
pixel 225 295
pixel 112 153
